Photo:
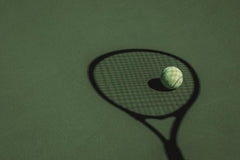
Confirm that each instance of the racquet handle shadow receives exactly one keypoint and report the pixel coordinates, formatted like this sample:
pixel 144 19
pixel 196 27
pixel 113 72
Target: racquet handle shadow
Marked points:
pixel 172 151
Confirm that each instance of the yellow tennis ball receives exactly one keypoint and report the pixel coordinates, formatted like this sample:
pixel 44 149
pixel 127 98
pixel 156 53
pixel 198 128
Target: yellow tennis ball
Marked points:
pixel 171 77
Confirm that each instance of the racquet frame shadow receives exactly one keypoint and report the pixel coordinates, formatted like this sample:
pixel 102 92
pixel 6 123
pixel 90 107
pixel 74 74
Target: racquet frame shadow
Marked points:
pixel 171 148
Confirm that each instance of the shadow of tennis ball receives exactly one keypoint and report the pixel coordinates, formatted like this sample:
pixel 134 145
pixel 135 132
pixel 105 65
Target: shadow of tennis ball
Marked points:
pixel 156 84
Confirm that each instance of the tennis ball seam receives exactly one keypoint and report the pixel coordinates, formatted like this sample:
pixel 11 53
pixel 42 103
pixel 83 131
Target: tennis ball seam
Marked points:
pixel 177 81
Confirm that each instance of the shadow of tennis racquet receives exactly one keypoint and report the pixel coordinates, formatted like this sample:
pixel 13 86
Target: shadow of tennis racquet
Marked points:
pixel 128 80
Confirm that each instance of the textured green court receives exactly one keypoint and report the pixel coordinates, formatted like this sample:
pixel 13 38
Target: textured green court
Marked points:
pixel 49 110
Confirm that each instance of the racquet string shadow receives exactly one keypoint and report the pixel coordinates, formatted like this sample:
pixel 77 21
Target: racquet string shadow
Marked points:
pixel 127 79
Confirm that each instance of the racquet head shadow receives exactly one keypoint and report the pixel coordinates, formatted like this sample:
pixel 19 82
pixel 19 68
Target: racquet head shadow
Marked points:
pixel 130 80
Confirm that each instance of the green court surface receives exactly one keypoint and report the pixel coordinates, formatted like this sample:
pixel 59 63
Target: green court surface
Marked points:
pixel 49 109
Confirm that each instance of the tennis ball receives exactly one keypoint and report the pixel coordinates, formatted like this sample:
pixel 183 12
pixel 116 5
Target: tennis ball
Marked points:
pixel 171 77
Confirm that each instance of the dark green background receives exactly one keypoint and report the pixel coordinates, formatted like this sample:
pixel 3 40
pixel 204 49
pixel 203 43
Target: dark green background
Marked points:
pixel 49 110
